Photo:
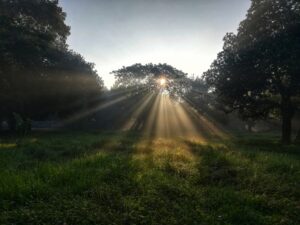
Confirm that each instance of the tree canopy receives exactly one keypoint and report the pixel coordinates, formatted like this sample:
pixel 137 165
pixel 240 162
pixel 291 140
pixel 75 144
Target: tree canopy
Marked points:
pixel 152 77
pixel 39 75
pixel 257 71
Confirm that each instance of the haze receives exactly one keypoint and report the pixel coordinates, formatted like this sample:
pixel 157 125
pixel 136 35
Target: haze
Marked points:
pixel 186 34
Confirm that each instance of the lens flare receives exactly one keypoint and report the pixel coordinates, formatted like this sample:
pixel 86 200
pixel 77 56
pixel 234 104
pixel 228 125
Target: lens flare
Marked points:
pixel 162 82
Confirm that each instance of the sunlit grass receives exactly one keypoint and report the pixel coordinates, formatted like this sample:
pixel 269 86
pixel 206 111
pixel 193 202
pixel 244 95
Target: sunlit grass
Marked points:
pixel 127 178
pixel 8 145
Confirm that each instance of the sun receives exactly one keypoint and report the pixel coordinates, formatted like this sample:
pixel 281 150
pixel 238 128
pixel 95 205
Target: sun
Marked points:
pixel 162 82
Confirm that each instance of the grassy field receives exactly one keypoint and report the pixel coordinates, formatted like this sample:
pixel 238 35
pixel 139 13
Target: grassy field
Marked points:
pixel 123 178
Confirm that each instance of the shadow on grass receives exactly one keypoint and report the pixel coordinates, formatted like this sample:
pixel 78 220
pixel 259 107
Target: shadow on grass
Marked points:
pixel 110 180
pixel 264 143
pixel 85 187
pixel 241 185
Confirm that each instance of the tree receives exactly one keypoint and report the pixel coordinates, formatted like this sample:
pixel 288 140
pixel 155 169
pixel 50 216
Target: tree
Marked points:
pixel 257 71
pixel 198 95
pixel 39 75
pixel 151 77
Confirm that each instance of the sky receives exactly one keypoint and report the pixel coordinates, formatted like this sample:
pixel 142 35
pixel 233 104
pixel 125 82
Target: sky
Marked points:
pixel 186 34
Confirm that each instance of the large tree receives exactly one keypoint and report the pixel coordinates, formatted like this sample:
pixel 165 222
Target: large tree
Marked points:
pixel 39 75
pixel 152 77
pixel 257 73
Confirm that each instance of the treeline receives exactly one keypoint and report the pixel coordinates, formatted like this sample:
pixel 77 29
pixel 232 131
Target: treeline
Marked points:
pixel 256 75
pixel 39 75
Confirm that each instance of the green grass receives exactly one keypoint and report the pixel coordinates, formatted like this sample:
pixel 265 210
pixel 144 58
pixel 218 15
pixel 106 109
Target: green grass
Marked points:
pixel 123 178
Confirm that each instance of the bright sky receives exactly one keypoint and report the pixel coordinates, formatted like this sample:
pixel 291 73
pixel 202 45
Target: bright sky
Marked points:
pixel 186 34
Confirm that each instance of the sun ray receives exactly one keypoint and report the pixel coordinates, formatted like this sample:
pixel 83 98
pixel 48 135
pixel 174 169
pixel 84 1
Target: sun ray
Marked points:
pixel 134 118
pixel 150 123
pixel 92 110
pixel 212 127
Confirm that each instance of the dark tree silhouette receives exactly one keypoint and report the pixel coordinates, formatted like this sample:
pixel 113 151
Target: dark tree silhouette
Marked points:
pixel 39 76
pixel 257 73
pixel 147 77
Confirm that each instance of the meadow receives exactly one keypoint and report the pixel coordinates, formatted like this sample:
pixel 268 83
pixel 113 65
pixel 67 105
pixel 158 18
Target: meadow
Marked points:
pixel 86 178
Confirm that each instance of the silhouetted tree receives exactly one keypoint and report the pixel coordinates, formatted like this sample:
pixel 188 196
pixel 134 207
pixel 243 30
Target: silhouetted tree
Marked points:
pixel 257 73
pixel 199 96
pixel 140 78
pixel 38 74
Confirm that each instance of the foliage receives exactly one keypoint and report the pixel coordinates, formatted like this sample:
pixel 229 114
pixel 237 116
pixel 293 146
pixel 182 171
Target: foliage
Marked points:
pixel 257 71
pixel 146 78
pixel 120 178
pixel 39 75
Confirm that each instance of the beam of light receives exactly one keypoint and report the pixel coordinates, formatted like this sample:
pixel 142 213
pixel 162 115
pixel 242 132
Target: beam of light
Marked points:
pixel 168 127
pixel 102 97
pixel 150 121
pixel 159 116
pixel 189 127
pixel 167 119
pixel 92 110
pixel 134 121
pixel 116 95
pixel 160 123
pixel 211 126
pixel 127 90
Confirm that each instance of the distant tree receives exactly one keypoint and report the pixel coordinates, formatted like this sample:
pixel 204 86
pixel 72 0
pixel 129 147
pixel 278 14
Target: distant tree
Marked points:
pixel 257 73
pixel 38 74
pixel 198 95
pixel 148 77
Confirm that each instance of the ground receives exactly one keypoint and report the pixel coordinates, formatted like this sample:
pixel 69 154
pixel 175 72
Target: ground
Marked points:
pixel 128 178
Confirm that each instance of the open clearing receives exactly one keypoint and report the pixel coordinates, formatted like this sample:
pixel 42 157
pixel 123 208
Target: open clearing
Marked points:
pixel 125 178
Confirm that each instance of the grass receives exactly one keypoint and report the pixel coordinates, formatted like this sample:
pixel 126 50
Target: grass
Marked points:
pixel 123 178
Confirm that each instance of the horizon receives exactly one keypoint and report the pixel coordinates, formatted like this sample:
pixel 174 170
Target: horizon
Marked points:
pixel 189 38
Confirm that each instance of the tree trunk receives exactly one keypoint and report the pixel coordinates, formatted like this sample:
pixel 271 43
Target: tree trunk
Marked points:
pixel 11 122
pixel 287 115
pixel 297 140
pixel 249 125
